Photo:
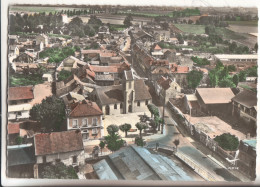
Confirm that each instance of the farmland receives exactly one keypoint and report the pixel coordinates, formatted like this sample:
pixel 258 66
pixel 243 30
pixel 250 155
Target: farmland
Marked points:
pixel 194 29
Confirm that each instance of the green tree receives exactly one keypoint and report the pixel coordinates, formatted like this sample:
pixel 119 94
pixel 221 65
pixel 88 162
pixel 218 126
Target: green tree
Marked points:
pixel 153 109
pixel 194 77
pixel 227 141
pixel 235 79
pixel 231 68
pixel 125 128
pixel 127 21
pixel 219 65
pixel 242 76
pixel 63 75
pixel 256 47
pixel 141 126
pixel 176 143
pixel 213 76
pixel 50 113
pixel 139 141
pixel 112 129
pixel 226 83
pixel 19 140
pixel 94 20
pixel 154 124
pixel 58 171
pixel 113 142
pixel 102 145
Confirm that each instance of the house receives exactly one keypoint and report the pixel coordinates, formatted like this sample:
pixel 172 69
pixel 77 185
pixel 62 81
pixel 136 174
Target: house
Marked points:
pixel 66 147
pixel 13 130
pixel 42 38
pixel 166 88
pixel 214 99
pixel 86 116
pixel 20 162
pixel 157 52
pixel 20 95
pixel 14 50
pixel 64 18
pixel 71 64
pixel 139 163
pixel 162 35
pixel 131 96
pixel 191 104
pixel 105 80
pixel 26 57
pixel 180 73
pixel 72 97
pixel 244 106
pixel 247 157
pixel 18 102
pixel 47 77
pixel 174 41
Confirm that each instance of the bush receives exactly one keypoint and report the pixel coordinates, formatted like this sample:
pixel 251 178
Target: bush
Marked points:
pixel 139 141
pixel 63 75
pixel 19 140
pixel 227 141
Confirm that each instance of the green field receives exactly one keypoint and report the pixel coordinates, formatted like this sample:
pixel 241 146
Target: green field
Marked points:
pixel 117 27
pixel 194 29
pixel 145 14
pixel 244 23
pixel 25 80
pixel 228 34
pixel 41 9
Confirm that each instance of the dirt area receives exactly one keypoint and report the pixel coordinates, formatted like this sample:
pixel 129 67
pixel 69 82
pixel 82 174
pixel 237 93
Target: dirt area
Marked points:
pixel 41 91
pixel 213 126
pixel 243 29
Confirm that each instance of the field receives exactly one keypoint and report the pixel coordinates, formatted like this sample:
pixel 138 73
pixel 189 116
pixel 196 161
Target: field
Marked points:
pixel 243 29
pixel 244 23
pixel 148 14
pixel 25 80
pixel 228 34
pixel 40 9
pixel 194 29
pixel 117 27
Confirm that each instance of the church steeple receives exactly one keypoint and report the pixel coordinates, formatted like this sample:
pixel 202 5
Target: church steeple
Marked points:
pixel 129 92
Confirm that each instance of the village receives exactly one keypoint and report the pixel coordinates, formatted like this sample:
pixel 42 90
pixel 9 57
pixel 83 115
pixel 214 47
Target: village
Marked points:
pixel 109 93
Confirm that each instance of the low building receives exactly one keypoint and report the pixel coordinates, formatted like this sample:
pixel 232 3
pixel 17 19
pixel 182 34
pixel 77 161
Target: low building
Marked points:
pixel 66 146
pixel 47 77
pixel 138 163
pixel 215 99
pixel 180 74
pixel 166 88
pixel 17 112
pixel 42 38
pixel 26 57
pixel 86 116
pixel 191 104
pixel 244 106
pixel 247 157
pixel 13 130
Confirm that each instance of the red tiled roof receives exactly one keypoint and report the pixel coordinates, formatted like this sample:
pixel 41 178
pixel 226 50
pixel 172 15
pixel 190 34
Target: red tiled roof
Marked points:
pixel 20 93
pixel 90 73
pixel 90 51
pixel 179 69
pixel 58 142
pixel 160 80
pixel 13 128
pixel 157 47
pixel 111 69
pixel 85 108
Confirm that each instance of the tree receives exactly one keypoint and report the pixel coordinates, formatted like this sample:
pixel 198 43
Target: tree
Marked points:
pixel 176 143
pixel 213 76
pixel 231 68
pixel 153 110
pixel 165 26
pixel 141 126
pixel 235 79
pixel 94 20
pixel 256 47
pixel 113 142
pixel 219 65
pixel 154 124
pixel 242 76
pixel 102 145
pixel 194 77
pixel 127 21
pixel 112 129
pixel 63 75
pixel 58 171
pixel 226 83
pixel 125 128
pixel 50 113
pixel 227 141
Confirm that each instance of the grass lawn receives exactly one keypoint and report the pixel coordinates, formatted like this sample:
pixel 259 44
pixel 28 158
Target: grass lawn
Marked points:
pixel 117 27
pixel 60 35
pixel 25 80
pixel 228 34
pixel 194 29
pixel 244 23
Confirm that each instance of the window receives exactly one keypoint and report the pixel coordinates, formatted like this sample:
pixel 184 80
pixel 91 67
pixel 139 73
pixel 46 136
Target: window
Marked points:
pixel 138 103
pixel 94 121
pixel 146 102
pixel 75 123
pixel 115 106
pixel 74 158
pixel 121 105
pixel 57 160
pixel 19 113
pixel 94 131
pixel 84 122
pixel 44 159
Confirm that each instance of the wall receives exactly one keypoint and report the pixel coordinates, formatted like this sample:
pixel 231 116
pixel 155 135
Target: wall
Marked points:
pixel 14 115
pixel 112 111
pixel 66 158
pixel 142 107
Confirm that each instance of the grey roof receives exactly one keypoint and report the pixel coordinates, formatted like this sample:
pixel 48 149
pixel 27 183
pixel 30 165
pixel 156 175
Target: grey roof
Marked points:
pixel 247 98
pixel 105 77
pixel 138 163
pixel 20 156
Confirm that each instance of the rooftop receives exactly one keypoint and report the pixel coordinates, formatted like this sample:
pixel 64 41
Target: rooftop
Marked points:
pixel 247 98
pixel 138 163
pixel 20 156
pixel 58 142
pixel 251 142
pixel 13 128
pixel 235 56
pixel 215 95
pixel 85 108
pixel 20 93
